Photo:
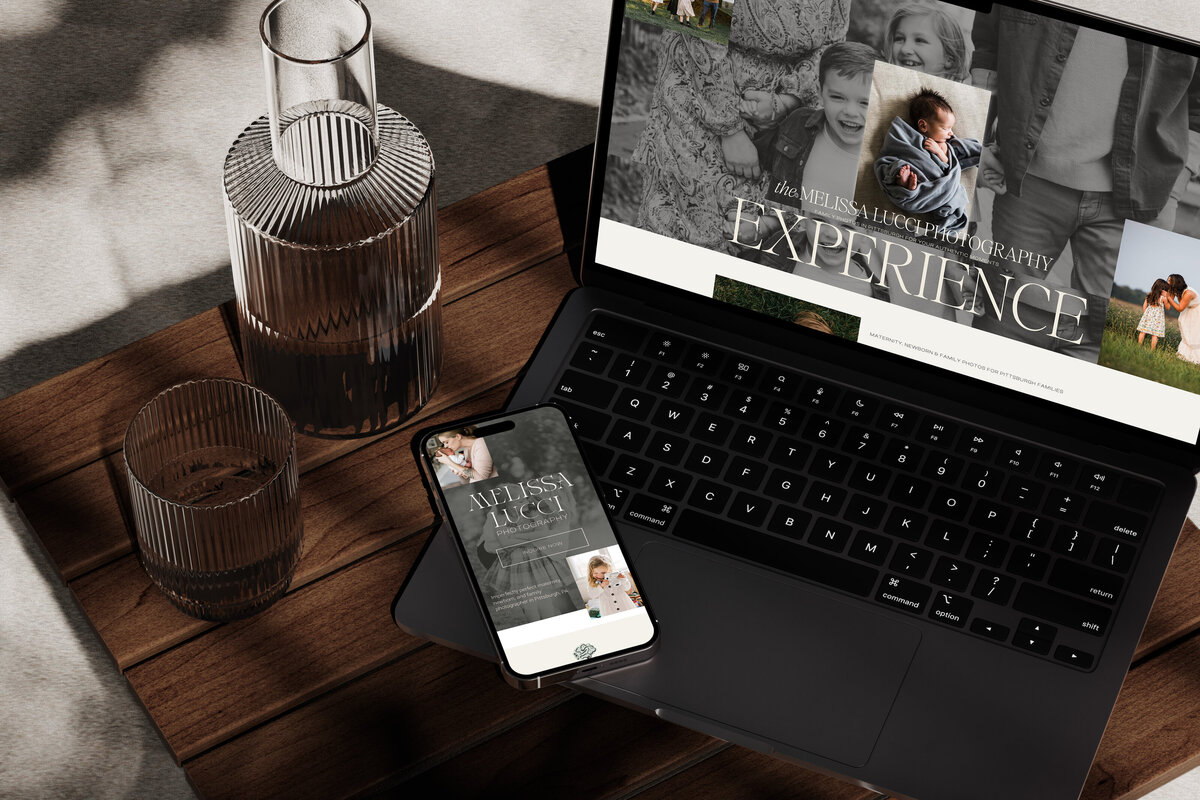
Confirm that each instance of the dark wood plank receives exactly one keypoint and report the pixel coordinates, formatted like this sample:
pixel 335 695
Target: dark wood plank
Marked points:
pixel 1176 611
pixel 739 774
pixel 585 748
pixel 313 640
pixel 397 721
pixel 1153 735
pixel 352 507
pixel 80 416
pixel 76 418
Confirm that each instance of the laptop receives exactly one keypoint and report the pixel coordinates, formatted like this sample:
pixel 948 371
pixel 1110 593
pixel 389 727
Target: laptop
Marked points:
pixel 885 359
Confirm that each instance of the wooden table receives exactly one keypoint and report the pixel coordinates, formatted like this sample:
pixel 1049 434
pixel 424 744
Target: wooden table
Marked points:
pixel 321 695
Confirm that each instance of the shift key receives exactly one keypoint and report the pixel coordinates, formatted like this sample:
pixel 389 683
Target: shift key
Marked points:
pixel 1062 609
pixel 585 389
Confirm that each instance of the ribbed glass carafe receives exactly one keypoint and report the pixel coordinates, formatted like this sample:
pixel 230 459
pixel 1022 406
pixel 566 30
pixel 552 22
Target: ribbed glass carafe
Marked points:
pixel 330 206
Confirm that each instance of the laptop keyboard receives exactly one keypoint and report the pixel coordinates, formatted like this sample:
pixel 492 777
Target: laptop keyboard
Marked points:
pixel 926 515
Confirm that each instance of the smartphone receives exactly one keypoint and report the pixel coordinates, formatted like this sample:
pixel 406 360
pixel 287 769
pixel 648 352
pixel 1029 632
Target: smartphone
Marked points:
pixel 558 591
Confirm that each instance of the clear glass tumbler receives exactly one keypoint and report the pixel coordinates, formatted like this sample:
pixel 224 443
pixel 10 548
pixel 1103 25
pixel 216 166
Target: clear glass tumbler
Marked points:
pixel 214 488
pixel 331 211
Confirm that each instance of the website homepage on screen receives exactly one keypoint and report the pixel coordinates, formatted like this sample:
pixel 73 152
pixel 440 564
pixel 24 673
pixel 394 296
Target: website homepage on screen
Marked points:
pixel 1006 195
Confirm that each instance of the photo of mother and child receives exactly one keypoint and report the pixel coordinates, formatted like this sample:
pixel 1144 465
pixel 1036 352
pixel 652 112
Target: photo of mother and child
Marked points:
pixel 1172 292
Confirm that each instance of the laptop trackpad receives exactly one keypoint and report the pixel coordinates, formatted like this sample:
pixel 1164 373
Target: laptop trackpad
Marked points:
pixel 770 656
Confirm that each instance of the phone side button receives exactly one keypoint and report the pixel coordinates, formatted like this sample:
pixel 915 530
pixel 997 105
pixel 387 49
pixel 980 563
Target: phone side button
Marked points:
pixel 650 512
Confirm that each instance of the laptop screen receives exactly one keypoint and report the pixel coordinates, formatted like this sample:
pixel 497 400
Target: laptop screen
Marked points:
pixel 1006 195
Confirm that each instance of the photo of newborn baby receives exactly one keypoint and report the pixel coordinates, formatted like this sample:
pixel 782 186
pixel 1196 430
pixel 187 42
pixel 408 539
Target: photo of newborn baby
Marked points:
pixel 921 162
pixel 921 148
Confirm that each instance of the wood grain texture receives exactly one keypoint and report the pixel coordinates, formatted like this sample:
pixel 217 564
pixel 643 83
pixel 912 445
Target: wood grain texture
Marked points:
pixel 81 416
pixel 584 749
pixel 241 674
pixel 1176 611
pixel 352 507
pixel 394 722
pixel 1153 735
pixel 740 774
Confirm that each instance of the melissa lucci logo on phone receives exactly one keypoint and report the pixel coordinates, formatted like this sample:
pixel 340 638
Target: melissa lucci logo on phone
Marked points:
pixel 585 651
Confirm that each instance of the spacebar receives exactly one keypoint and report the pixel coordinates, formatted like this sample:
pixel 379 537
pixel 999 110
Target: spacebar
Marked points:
pixel 804 562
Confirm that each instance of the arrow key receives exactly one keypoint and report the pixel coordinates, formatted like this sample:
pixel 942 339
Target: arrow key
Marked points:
pixel 1031 627
pixel 989 629
pixel 1076 658
pixel 1034 644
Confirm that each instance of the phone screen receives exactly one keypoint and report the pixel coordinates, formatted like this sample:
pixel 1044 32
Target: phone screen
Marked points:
pixel 554 581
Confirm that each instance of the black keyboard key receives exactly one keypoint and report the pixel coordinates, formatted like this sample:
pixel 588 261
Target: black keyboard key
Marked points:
pixel 706 460
pixel 1023 492
pixel 1017 456
pixel 790 454
pixel 618 333
pixel 983 479
pixel 904 594
pixel 1114 555
pixel 1055 469
pixel 783 417
pixel 712 429
pixel 825 499
pixel 943 468
pixel 1032 529
pixel 950 609
pixel 947 537
pixel 662 346
pixel 1062 609
pixel 591 357
pixel 631 471
pixel 746 473
pixel 1076 658
pixel 673 416
pixel 977 444
pixel 830 466
pixel 937 433
pixel 830 535
pixel 667 381
pixel 666 448
pixel 785 486
pixel 864 442
pixel 912 561
pixel 586 389
pixel 626 435
pixel 864 511
pixel 805 562
pixel 823 430
pixel 788 521
pixel 989 629
pixel 1028 563
pixel 1036 628
pixel 1066 506
pixel 952 574
pixel 651 512
pixel 950 503
pixel 993 587
pixel 859 408
pixel 1098 482
pixel 614 497
pixel 745 407
pixel 706 393
pixel 587 423
pixel 898 420
pixel 743 372
pixel 819 395
pixel 749 509
pixel 1083 580
pixel 870 547
pixel 1138 495
pixel 702 358
pixel 1122 522
pixel 902 455
pixel 989 516
pixel 869 478
pixel 669 483
pixel 629 369
pixel 987 549
pixel 909 491
pixel 906 524
pixel 1034 644
pixel 711 497
pixel 780 383
pixel 634 403
pixel 1072 542
pixel 751 441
